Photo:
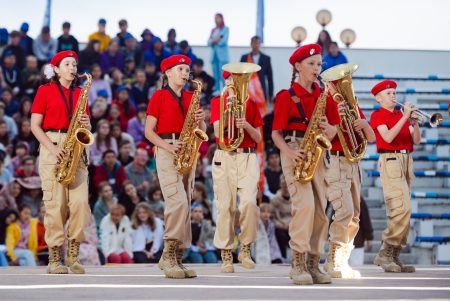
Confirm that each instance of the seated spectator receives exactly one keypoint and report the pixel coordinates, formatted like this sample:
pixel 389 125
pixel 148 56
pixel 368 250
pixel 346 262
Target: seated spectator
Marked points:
pixel 100 36
pixel 272 173
pixel 147 40
pixel 281 204
pixel 335 57
pixel 106 200
pixel 27 168
pixel 15 48
pixel 156 54
pixel 11 102
pixel 199 198
pixel 7 200
pixel 5 175
pixel 125 151
pixel 26 136
pixel 136 125
pixel 116 76
pixel 129 72
pixel 151 75
pixel 120 135
pixel 129 198
pixel 112 57
pixel 103 141
pixel 44 47
pixel 148 232
pixel 31 193
pixel 126 106
pixel 138 172
pixel 30 76
pixel 202 249
pixel 111 171
pixel 21 239
pixel 120 37
pixel 98 84
pixel 131 51
pixel 115 233
pixel 22 152
pixel 4 137
pixel 207 80
pixel 171 45
pixel 10 72
pixel 26 42
pixel 24 111
pixel 140 89
pixel 90 55
pixel 42 249
pixel 66 41
pixel 99 109
pixel 11 126
pixel 267 250
pixel 7 217
pixel 156 201
pixel 186 50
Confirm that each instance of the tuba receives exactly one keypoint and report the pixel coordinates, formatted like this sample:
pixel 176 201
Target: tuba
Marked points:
pixel 340 79
pixel 314 142
pixel 190 135
pixel 78 137
pixel 235 106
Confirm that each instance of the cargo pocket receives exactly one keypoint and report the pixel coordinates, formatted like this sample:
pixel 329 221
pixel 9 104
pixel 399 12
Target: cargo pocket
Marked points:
pixel 47 194
pixel 393 168
pixel 333 173
pixel 292 190
pixel 335 198
pixel 394 203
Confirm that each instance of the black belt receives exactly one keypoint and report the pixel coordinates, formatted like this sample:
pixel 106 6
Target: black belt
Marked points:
pixel 64 131
pixel 399 151
pixel 169 136
pixel 337 153
pixel 296 134
pixel 244 150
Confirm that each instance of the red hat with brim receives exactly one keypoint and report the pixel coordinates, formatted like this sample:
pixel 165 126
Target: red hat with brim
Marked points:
pixel 57 58
pixel 386 84
pixel 304 52
pixel 174 60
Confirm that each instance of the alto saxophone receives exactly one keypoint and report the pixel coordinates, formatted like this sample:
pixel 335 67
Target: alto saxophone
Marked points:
pixel 191 135
pixel 314 142
pixel 78 137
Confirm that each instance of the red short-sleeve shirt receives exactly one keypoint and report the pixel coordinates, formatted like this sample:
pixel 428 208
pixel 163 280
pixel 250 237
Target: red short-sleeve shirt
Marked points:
pixel 252 115
pixel 333 117
pixel 402 141
pixel 164 107
pixel 49 103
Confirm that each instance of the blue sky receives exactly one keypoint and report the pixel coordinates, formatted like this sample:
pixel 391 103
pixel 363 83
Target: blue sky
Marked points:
pixel 397 24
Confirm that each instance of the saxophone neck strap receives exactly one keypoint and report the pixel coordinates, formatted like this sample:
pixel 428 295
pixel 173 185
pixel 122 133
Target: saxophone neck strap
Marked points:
pixel 69 105
pixel 301 111
pixel 178 98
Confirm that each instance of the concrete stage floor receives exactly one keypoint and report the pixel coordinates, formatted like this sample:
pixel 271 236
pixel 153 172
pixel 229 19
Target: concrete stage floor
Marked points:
pixel 146 282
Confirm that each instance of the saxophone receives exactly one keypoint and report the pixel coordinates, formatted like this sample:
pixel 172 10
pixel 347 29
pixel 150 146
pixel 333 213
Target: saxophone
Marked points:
pixel 191 136
pixel 78 137
pixel 314 142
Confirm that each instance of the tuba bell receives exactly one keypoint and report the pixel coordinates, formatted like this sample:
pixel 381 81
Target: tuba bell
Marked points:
pixel 235 106
pixel 339 78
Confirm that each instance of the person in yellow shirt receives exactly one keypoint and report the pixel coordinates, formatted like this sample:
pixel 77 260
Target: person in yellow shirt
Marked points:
pixel 101 35
pixel 21 239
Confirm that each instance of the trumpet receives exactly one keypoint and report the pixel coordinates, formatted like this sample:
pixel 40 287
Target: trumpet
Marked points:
pixel 435 118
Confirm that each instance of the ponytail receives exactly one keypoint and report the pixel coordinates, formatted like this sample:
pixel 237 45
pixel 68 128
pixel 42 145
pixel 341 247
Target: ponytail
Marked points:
pixel 294 75
pixel 164 81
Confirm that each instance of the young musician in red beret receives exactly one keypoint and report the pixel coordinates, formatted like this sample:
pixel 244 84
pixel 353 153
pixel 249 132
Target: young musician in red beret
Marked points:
pixel 395 138
pixel 236 173
pixel 292 112
pixel 166 115
pixel 51 113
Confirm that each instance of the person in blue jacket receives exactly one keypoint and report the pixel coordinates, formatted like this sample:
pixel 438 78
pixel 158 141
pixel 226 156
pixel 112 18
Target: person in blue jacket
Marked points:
pixel 334 57
pixel 218 41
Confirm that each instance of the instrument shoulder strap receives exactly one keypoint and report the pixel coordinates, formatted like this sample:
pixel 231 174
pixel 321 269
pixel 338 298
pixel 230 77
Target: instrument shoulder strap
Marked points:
pixel 300 109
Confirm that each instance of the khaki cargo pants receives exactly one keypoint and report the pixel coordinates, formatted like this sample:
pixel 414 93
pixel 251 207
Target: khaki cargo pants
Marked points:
pixel 397 174
pixel 309 225
pixel 235 174
pixel 177 191
pixel 63 203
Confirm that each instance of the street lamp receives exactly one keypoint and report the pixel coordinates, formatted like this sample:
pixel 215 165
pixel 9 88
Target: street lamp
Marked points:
pixel 298 34
pixel 348 36
pixel 323 17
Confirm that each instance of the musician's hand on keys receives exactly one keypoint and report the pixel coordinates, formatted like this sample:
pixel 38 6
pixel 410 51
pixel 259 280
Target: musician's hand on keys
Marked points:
pixel 199 115
pixel 58 152
pixel 341 108
pixel 415 116
pixel 408 108
pixel 175 147
pixel 327 129
pixel 296 154
pixel 360 124
pixel 84 120
pixel 241 123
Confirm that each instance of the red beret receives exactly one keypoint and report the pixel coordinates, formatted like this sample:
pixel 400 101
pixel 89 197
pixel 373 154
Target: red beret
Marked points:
pixel 61 55
pixel 176 59
pixel 304 52
pixel 225 74
pixel 386 84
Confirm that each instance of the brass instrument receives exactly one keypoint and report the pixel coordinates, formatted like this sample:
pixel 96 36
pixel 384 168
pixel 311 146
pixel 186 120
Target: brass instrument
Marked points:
pixel 314 142
pixel 78 137
pixel 235 106
pixel 192 136
pixel 340 78
pixel 435 118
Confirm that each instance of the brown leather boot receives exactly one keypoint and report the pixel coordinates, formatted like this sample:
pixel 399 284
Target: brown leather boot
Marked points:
pixel 54 261
pixel 245 257
pixel 313 268
pixel 385 259
pixel 333 262
pixel 227 261
pixel 72 260
pixel 189 273
pixel 299 272
pixel 404 268
pixel 168 262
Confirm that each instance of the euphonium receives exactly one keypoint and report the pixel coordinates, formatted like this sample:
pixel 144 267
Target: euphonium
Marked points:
pixel 191 135
pixel 340 78
pixel 235 106
pixel 78 137
pixel 314 142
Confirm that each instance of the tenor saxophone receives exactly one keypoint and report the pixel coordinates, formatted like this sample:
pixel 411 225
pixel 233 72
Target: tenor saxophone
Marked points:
pixel 78 137
pixel 191 135
pixel 314 142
